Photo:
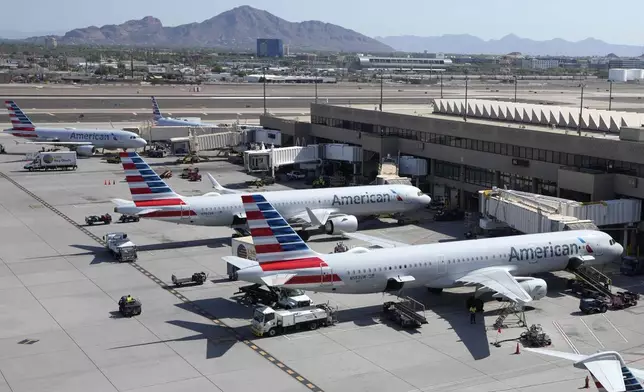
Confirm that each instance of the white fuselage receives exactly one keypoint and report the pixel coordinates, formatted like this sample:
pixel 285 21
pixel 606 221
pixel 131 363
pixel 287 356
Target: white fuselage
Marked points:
pixel 221 210
pixel 109 139
pixel 441 265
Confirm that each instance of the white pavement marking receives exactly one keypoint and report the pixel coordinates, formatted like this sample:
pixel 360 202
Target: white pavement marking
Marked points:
pixel 615 328
pixel 592 333
pixel 565 336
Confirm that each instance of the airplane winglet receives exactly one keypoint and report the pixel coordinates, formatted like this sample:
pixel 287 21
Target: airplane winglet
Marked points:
pixel 216 185
pixel 315 220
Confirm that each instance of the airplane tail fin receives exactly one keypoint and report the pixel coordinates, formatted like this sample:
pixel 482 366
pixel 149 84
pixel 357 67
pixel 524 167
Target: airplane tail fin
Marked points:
pixel 274 239
pixel 146 187
pixel 156 112
pixel 219 188
pixel 19 120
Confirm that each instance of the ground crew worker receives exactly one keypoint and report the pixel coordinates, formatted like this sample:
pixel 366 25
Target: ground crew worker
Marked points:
pixel 472 314
pixel 129 299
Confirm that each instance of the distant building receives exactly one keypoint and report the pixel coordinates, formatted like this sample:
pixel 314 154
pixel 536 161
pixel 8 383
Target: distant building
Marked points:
pixel 540 63
pixel 403 63
pixel 626 63
pixel 51 43
pixel 270 47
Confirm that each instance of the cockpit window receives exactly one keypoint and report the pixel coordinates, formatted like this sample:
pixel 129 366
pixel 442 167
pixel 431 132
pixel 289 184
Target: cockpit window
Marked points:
pixel 612 242
pixel 420 193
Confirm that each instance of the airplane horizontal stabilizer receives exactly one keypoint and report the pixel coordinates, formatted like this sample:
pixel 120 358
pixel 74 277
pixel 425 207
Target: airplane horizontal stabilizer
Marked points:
pixel 122 203
pixel 239 262
pixel 277 280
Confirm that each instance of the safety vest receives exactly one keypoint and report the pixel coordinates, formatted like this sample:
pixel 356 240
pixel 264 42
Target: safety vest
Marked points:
pixel 472 309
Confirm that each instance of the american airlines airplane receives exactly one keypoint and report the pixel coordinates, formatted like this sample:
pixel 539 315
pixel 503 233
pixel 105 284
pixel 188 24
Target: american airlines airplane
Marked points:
pixel 333 209
pixel 83 141
pixel 499 265
pixel 608 369
pixel 162 121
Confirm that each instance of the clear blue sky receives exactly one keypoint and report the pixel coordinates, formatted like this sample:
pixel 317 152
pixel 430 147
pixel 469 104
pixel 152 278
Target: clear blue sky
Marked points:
pixel 615 21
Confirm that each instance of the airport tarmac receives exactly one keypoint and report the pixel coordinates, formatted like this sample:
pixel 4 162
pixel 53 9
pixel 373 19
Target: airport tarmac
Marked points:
pixel 102 103
pixel 59 330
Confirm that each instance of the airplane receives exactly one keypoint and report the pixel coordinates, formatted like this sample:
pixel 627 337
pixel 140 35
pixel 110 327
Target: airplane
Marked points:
pixel 83 141
pixel 499 264
pixel 333 209
pixel 162 121
pixel 608 369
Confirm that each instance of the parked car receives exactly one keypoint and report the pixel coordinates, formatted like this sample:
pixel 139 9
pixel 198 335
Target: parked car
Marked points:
pixel 295 175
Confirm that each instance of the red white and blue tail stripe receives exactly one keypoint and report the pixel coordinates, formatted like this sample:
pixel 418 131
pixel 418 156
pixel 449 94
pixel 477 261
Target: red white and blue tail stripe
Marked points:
pixel 19 120
pixel 156 112
pixel 146 187
pixel 274 239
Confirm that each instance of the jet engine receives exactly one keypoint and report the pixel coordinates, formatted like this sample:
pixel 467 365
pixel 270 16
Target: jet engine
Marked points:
pixel 537 288
pixel 85 151
pixel 341 224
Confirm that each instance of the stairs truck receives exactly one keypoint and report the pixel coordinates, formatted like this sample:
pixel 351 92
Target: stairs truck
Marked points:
pixel 241 247
pixel 271 322
pixel 58 160
pixel 120 246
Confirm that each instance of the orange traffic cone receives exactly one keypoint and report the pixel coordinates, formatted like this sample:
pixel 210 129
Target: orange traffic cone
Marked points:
pixel 517 351
pixel 587 383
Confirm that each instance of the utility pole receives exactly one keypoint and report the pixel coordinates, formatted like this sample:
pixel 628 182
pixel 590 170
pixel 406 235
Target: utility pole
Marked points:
pixel 264 79
pixel 515 88
pixel 381 87
pixel 465 109
pixel 610 96
pixel 316 90
pixel 581 108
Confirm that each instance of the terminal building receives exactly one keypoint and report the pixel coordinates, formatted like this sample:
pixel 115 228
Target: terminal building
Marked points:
pixel 478 145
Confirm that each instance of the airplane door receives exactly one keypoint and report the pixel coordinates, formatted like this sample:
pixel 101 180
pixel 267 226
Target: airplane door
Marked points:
pixel 326 276
pixel 439 266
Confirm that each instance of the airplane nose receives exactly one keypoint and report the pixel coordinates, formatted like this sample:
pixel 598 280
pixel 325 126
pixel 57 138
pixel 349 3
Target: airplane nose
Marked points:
pixel 619 249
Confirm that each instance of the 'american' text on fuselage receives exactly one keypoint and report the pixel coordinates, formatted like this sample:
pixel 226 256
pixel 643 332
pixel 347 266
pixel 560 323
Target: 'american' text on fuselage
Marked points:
pixel 89 136
pixel 361 199
pixel 541 252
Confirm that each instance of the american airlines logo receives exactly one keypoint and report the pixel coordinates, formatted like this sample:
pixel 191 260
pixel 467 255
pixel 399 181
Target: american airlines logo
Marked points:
pixel 89 136
pixel 367 198
pixel 543 252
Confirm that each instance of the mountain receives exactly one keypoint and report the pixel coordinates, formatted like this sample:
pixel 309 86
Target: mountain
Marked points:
pixel 234 29
pixel 12 35
pixel 469 44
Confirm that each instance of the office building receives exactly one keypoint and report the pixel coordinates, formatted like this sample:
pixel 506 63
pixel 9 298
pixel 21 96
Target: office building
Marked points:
pixel 270 47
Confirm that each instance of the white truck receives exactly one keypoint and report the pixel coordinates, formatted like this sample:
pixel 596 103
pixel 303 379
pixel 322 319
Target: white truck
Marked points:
pixel 59 160
pixel 268 321
pixel 241 247
pixel 120 246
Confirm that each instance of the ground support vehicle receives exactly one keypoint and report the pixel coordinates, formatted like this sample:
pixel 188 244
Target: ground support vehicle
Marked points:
pixel 129 309
pixel 60 160
pixel 198 278
pixel 405 312
pixel 120 246
pixel 535 337
pixel 128 218
pixel 590 305
pixel 276 298
pixel 105 219
pixel 270 322
pixel 631 266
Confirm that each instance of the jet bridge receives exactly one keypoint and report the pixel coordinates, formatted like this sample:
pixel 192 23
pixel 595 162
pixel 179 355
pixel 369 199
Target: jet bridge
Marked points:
pixel 530 213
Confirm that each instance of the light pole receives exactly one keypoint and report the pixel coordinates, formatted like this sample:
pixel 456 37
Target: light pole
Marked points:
pixel 465 108
pixel 264 79
pixel 381 87
pixel 515 88
pixel 316 90
pixel 610 95
pixel 441 85
pixel 581 108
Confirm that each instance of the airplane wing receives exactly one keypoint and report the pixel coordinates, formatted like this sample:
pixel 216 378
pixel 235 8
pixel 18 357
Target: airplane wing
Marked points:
pixel 499 280
pixel 605 367
pixel 316 217
pixel 62 143
pixel 376 241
